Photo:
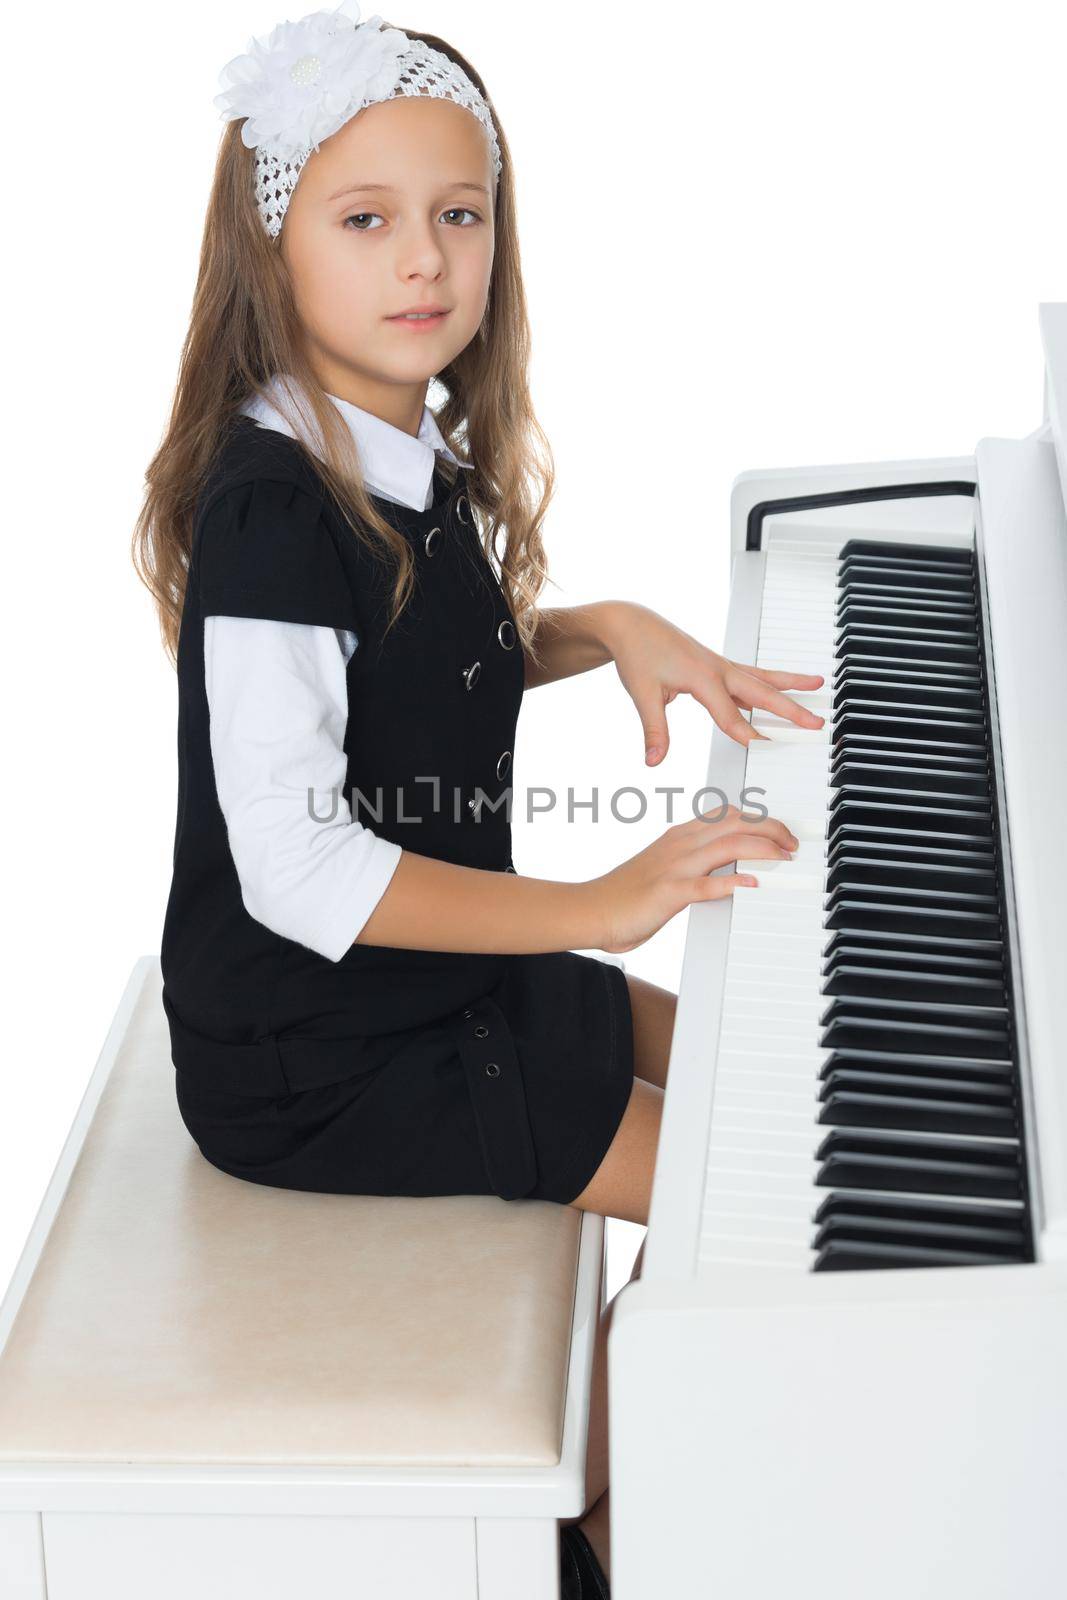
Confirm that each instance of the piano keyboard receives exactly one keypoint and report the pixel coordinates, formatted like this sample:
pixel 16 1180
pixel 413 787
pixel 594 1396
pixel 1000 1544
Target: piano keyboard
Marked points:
pixel 866 1105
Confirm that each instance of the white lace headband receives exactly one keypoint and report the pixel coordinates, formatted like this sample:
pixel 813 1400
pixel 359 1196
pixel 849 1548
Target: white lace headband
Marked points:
pixel 310 77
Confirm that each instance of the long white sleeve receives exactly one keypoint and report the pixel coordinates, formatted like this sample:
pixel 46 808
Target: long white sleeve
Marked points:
pixel 278 707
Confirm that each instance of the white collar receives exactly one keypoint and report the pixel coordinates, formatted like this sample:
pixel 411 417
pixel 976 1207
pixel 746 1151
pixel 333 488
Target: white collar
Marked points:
pixel 396 465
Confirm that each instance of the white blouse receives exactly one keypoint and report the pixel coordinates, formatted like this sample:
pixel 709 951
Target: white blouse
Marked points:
pixel 278 708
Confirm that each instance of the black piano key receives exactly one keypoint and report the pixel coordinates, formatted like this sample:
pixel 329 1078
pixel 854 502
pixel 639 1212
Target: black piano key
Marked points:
pixel 906 956
pixel 915 674
pixel 921 634
pixel 896 869
pixel 994 1218
pixel 941 1233
pixel 851 978
pixel 911 809
pixel 954 734
pixel 995 1091
pixel 857 643
pixel 931 1164
pixel 904 845
pixel 848 1026
pixel 871 916
pixel 852 867
pixel 908 849
pixel 877 1024
pixel 850 769
pixel 847 1107
pixel 902 794
pixel 886 690
pixel 903 581
pixel 923 752
pixel 927 819
pixel 922 768
pixel 992 1069
pixel 842 1256
pixel 903 621
pixel 907 641
pixel 922 943
pixel 912 714
pixel 849 961
pixel 849 966
pixel 952 1013
pixel 891 551
pixel 965 695
pixel 892 601
pixel 906 580
pixel 905 703
pixel 897 897
pixel 895 667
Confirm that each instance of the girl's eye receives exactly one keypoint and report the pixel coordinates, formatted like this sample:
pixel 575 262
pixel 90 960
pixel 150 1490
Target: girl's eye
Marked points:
pixel 453 211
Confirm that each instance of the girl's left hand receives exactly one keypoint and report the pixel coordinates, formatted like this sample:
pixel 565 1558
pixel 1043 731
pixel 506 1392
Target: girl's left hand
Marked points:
pixel 657 661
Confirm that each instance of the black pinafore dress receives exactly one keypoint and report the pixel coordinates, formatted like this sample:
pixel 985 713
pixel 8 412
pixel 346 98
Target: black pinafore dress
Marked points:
pixel 389 1071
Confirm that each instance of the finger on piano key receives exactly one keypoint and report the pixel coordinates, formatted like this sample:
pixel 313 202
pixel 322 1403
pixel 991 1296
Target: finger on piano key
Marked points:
pixel 784 732
pixel 803 873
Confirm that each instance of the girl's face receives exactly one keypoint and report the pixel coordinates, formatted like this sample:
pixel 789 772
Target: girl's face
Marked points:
pixel 394 210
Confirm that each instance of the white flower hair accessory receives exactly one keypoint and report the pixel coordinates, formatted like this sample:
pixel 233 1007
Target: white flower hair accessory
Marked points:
pixel 310 77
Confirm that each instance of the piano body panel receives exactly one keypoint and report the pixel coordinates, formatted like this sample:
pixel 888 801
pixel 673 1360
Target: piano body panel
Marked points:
pixel 938 519
pixel 859 1436
pixel 1022 547
pixel 1052 317
pixel 754 488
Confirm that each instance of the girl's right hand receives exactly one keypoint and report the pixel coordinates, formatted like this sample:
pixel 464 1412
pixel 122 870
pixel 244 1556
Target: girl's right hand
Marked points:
pixel 634 900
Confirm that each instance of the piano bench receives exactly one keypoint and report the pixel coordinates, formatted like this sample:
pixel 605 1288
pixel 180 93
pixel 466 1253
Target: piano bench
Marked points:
pixel 210 1386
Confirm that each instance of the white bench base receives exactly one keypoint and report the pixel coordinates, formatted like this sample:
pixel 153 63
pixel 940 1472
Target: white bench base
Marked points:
pixel 113 1556
pixel 79 1520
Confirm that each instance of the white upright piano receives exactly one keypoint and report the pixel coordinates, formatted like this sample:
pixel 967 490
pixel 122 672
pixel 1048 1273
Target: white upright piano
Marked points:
pixel 843 1373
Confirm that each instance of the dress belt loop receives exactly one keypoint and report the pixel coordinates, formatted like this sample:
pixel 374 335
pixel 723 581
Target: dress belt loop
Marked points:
pixel 253 1069
pixel 498 1095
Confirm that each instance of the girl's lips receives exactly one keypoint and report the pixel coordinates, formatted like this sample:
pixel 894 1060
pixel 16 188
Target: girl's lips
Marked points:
pixel 420 324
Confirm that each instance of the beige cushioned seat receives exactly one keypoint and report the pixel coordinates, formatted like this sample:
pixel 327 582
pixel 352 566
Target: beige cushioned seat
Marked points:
pixel 178 1314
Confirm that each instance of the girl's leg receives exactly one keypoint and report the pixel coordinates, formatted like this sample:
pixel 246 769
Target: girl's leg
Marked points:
pixel 622 1184
pixel 622 1187
pixel 653 1011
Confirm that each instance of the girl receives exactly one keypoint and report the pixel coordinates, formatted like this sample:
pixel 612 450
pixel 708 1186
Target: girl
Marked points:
pixel 348 582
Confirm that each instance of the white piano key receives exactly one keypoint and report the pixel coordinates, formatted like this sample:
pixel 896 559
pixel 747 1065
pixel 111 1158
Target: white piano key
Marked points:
pixel 767 1253
pixel 723 1235
pixel 782 732
pixel 763 1026
pixel 773 1132
pixel 793 1010
pixel 745 1078
pixel 768 874
pixel 792 986
pixel 739 1107
pixel 785 1241
pixel 783 1057
pixel 798 1185
pixel 760 1181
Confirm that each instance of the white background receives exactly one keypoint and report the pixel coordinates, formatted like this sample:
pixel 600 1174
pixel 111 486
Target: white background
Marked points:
pixel 760 235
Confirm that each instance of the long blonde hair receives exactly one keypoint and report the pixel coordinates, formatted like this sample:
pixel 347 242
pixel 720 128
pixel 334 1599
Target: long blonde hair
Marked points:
pixel 244 328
